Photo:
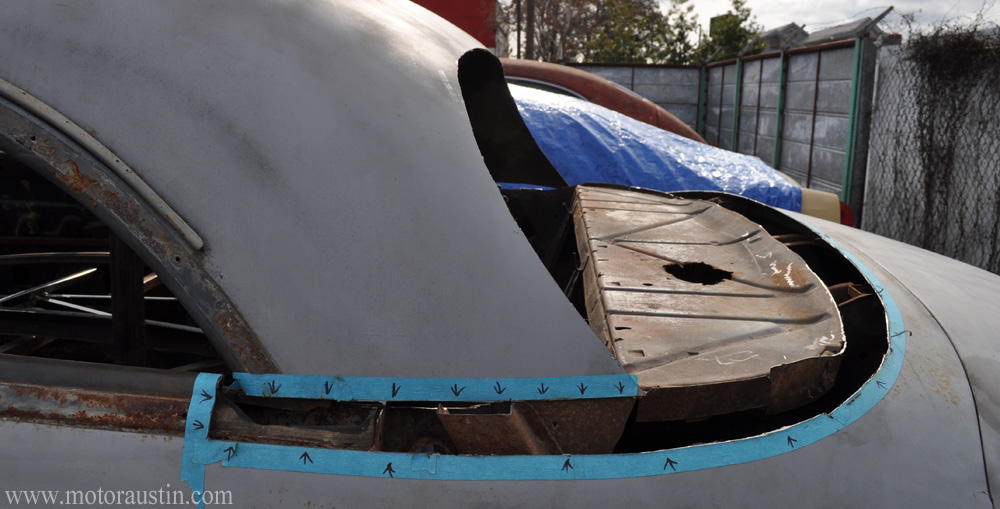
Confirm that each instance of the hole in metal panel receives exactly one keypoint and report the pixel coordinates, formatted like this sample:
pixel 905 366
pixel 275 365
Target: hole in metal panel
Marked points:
pixel 697 272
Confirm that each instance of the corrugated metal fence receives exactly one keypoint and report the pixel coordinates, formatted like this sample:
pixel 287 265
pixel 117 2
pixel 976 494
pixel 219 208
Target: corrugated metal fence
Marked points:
pixel 804 111
pixel 922 169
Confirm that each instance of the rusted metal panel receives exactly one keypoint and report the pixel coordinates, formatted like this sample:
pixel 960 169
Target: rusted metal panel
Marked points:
pixel 708 310
pixel 297 422
pixel 488 430
pixel 591 426
pixel 93 409
pixel 85 395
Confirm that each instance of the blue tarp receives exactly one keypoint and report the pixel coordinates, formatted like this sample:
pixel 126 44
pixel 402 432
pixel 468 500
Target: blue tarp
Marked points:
pixel 589 143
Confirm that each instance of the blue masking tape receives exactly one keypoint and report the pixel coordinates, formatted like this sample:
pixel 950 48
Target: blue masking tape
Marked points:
pixel 437 389
pixel 199 416
pixel 200 451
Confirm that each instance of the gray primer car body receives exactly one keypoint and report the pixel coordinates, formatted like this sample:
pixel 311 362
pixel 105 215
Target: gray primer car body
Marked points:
pixel 344 120
pixel 224 91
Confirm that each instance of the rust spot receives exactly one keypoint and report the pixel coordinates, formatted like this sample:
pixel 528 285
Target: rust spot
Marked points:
pixel 124 412
pixel 37 392
pixel 78 182
pixel 93 203
pixel 242 341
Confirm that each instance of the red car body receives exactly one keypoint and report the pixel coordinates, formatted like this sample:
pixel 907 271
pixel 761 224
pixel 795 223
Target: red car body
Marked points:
pixel 597 90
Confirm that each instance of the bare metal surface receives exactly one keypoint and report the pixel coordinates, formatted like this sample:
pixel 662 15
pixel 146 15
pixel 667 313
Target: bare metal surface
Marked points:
pixel 710 311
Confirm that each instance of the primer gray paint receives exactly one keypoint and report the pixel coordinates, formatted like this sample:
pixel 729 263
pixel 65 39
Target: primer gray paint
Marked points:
pixel 341 211
pixel 919 447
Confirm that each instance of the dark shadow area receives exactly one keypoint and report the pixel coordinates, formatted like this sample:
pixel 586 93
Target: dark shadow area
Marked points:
pixel 71 290
pixel 509 151
pixel 697 272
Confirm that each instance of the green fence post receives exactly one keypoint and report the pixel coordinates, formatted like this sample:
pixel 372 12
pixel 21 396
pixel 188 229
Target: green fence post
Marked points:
pixel 702 99
pixel 736 105
pixel 852 121
pixel 779 113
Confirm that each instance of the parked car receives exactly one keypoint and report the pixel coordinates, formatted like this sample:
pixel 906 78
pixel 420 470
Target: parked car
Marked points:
pixel 732 172
pixel 596 89
pixel 258 255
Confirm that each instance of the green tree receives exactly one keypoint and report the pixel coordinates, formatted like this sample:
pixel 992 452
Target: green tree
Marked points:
pixel 561 27
pixel 730 34
pixel 682 22
pixel 632 31
pixel 601 30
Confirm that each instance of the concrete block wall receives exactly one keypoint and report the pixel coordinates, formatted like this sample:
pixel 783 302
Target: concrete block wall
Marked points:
pixel 674 88
pixel 817 117
pixel 799 121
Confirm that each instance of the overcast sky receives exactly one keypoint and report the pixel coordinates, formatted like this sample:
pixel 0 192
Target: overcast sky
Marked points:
pixel 819 14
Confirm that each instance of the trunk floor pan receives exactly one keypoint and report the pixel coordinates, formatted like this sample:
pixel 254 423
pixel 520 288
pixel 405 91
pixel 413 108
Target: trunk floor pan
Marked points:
pixel 710 312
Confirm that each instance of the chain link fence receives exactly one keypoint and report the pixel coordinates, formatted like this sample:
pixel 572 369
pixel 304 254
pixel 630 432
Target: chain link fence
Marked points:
pixel 934 160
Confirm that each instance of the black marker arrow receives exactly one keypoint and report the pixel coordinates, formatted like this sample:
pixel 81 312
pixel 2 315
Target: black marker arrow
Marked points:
pixel 328 386
pixel 230 452
pixel 499 389
pixel 567 465
pixel 621 387
pixel 198 425
pixel 880 383
pixel 791 442
pixel 305 457
pixel 205 396
pixel 395 390
pixel 543 389
pixel 389 470
pixel 671 463
pixel 456 391
pixel 583 388
pixel 274 389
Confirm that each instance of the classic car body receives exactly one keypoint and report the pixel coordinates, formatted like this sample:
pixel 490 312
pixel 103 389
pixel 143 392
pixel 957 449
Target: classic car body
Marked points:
pixel 359 317
pixel 596 89
pixel 589 87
